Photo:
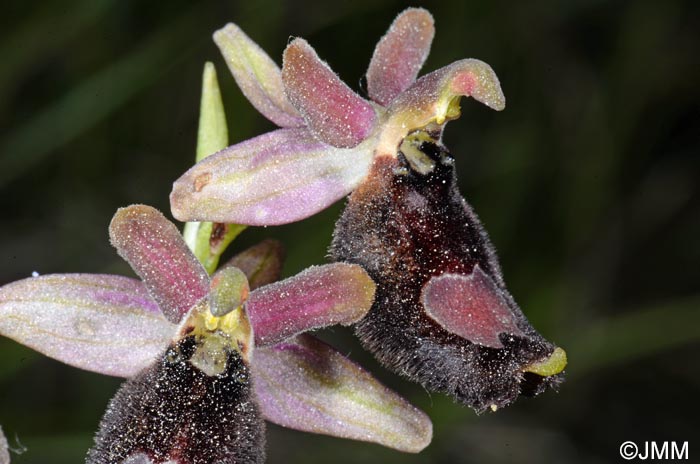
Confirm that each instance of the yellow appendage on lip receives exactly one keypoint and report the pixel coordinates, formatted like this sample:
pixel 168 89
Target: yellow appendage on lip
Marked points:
pixel 554 364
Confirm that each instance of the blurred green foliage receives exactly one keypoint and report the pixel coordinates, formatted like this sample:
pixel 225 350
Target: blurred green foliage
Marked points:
pixel 587 183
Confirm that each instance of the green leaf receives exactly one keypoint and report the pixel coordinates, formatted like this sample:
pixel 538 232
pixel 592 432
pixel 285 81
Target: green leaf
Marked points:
pixel 209 240
pixel 213 132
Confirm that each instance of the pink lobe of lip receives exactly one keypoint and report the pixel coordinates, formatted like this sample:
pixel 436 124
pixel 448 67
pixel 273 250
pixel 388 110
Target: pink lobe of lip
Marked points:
pixel 469 306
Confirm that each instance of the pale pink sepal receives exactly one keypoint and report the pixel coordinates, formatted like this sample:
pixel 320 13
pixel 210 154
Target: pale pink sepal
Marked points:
pixel 102 323
pixel 257 75
pixel 154 248
pixel 283 176
pixel 336 114
pixel 400 54
pixel 469 306
pixel 320 296
pixel 304 384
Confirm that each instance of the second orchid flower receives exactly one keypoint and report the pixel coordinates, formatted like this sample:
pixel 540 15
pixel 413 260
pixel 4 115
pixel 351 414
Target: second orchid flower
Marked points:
pixel 209 358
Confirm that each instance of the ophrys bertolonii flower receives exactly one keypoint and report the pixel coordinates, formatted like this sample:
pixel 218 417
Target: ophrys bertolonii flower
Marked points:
pixel 209 357
pixel 442 314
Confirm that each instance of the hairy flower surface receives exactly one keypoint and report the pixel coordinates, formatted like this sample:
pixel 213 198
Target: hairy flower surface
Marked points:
pixel 197 388
pixel 442 314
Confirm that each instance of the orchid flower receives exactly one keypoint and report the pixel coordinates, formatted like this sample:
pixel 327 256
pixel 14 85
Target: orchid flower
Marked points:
pixel 442 315
pixel 330 137
pixel 197 388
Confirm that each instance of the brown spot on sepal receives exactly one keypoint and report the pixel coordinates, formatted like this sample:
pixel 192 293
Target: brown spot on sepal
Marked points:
pixel 173 411
pixel 403 228
pixel 201 181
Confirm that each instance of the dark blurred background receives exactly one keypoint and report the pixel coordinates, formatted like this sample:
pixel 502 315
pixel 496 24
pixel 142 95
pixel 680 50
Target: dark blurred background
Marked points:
pixel 587 183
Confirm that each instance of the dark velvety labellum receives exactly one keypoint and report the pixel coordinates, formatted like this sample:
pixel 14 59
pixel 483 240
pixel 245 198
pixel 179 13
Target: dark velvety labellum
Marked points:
pixel 173 412
pixel 405 227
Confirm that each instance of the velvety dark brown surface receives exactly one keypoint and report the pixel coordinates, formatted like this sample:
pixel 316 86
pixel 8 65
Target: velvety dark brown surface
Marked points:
pixel 173 411
pixel 404 227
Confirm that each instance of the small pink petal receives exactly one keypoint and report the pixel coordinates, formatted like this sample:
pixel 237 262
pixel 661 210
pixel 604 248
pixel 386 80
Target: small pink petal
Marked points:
pixel 400 54
pixel 305 384
pixel 279 177
pixel 158 254
pixel 434 99
pixel 102 323
pixel 469 306
pixel 261 263
pixel 257 75
pixel 320 296
pixel 336 114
